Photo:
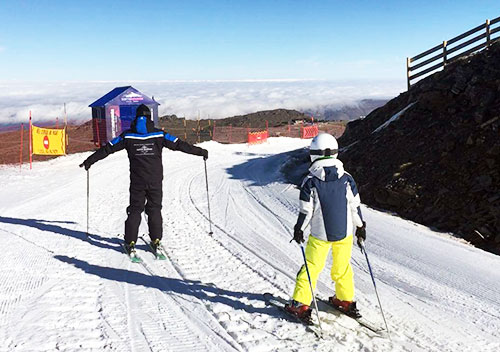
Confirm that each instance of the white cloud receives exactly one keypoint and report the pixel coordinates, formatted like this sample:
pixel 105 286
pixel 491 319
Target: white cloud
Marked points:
pixel 214 99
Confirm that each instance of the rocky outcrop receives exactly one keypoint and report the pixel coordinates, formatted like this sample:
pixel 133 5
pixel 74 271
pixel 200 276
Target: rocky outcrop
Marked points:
pixel 432 154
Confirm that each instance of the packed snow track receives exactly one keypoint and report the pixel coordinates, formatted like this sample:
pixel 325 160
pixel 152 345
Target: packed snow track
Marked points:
pixel 61 290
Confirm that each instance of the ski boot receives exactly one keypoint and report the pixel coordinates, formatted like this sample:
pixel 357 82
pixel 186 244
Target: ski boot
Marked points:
pixel 130 248
pixel 158 249
pixel 301 311
pixel 346 307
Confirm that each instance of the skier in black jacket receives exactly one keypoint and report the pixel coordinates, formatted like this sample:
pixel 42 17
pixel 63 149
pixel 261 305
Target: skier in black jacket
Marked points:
pixel 144 144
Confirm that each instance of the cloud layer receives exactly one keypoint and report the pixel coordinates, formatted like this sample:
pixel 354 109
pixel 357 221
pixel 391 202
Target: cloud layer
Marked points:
pixel 208 99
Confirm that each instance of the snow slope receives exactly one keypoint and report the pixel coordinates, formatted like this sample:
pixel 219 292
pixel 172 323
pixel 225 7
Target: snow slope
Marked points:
pixel 62 291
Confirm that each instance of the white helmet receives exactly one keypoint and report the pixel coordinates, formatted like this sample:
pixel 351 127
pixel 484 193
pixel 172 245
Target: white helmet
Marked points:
pixel 323 145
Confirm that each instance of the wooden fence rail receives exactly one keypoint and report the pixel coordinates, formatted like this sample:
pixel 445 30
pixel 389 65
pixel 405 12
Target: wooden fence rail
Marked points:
pixel 449 47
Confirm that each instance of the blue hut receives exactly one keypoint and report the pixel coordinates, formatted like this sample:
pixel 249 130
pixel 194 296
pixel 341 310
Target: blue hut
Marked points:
pixel 114 112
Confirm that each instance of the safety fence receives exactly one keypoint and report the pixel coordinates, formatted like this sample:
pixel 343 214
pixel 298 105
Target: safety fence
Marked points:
pixel 309 131
pixel 257 137
pixel 14 139
pixel 192 131
pixel 456 46
pixel 191 135
pixel 230 134
pixel 14 142
pixel 198 131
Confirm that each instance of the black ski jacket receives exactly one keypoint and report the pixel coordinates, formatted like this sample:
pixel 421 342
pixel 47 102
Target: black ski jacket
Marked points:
pixel 144 152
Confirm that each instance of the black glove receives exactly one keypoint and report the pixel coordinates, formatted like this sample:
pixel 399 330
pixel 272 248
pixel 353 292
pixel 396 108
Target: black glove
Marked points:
pixel 298 234
pixel 204 154
pixel 86 164
pixel 361 234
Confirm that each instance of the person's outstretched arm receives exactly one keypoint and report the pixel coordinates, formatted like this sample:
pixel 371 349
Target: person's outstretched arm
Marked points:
pixel 174 143
pixel 112 146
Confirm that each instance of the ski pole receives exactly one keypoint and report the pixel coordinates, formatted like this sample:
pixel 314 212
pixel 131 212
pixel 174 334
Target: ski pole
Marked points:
pixel 88 202
pixel 208 199
pixel 312 290
pixel 363 250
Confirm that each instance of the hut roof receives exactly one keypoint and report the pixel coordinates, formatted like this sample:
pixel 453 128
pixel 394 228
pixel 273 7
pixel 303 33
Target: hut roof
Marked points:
pixel 109 96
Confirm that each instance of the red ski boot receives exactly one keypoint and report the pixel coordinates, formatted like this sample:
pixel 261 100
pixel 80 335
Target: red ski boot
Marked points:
pixel 301 311
pixel 346 307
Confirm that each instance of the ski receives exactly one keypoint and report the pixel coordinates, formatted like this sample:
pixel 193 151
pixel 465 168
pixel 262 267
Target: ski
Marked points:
pixel 361 321
pixel 159 255
pixel 134 258
pixel 279 303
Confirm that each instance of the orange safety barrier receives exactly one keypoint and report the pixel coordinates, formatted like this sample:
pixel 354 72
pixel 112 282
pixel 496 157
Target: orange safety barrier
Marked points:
pixel 310 131
pixel 257 137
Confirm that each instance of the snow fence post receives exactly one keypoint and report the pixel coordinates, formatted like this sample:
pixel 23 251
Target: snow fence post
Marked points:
pixel 30 145
pixel 21 150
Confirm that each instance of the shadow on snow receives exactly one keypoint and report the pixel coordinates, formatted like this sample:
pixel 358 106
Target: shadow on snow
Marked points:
pixel 287 167
pixel 204 292
pixel 51 226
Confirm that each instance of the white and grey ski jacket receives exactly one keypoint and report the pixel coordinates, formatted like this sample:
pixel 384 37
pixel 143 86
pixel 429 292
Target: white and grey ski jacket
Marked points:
pixel 329 201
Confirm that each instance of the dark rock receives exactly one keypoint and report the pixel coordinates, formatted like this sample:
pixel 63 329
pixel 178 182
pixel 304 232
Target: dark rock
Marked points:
pixel 484 180
pixel 438 164
pixel 478 116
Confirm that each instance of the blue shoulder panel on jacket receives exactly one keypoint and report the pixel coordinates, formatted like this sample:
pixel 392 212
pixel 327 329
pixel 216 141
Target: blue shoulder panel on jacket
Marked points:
pixel 170 138
pixel 115 140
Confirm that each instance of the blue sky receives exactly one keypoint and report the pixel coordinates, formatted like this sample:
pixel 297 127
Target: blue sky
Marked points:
pixel 225 40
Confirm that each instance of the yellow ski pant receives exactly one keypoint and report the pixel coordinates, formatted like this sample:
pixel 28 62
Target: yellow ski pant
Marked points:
pixel 341 272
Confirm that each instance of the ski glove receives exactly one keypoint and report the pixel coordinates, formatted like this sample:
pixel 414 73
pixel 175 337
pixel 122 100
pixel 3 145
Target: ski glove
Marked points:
pixel 204 154
pixel 86 164
pixel 298 234
pixel 361 234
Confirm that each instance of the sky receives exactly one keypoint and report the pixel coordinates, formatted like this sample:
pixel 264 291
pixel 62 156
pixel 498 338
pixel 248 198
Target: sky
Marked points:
pixel 225 39
pixel 94 46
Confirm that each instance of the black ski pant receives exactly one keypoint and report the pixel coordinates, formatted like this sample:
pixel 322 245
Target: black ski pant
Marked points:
pixel 146 197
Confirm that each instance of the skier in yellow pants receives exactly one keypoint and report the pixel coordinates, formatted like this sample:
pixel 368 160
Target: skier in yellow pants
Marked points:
pixel 330 204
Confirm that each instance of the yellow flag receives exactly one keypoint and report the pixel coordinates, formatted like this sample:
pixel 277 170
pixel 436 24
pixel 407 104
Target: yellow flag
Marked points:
pixel 48 141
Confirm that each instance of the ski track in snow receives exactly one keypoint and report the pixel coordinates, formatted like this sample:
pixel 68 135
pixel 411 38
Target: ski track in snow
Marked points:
pixel 60 290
